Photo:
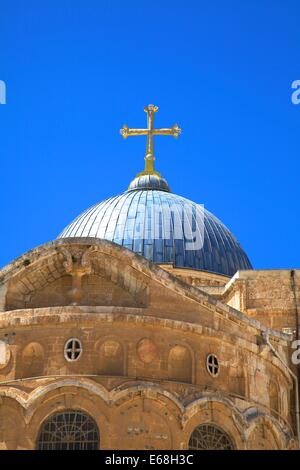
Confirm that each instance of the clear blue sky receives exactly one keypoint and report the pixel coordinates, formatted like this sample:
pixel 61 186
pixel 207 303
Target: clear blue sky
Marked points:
pixel 77 70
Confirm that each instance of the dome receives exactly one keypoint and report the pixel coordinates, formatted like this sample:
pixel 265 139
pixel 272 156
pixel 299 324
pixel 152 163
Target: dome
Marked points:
pixel 130 220
pixel 154 181
pixel 159 225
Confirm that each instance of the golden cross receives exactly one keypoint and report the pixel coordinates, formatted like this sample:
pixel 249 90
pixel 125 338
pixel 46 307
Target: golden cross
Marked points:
pixel 150 132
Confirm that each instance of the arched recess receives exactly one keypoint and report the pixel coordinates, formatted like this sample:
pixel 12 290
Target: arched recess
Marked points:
pixel 180 364
pixel 274 396
pixel 237 380
pixel 208 436
pixel 31 361
pixel 111 358
pixel 146 418
pixel 69 430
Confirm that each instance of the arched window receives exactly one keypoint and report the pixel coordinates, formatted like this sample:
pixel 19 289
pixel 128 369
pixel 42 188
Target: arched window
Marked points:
pixel 69 430
pixel 210 437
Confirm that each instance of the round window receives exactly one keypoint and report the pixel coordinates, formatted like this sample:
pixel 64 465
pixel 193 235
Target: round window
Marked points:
pixel 212 365
pixel 73 349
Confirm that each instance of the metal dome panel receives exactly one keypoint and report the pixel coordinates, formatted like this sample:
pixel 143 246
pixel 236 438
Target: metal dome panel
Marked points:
pixel 130 220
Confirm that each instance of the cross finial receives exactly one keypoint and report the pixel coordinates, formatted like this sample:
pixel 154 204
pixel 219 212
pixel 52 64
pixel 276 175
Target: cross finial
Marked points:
pixel 150 132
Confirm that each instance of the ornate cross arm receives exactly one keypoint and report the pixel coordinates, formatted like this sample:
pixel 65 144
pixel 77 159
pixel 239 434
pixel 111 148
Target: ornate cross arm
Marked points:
pixel 126 131
pixel 174 131
pixel 150 132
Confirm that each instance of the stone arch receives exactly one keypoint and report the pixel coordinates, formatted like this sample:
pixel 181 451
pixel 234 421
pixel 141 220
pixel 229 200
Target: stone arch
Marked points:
pixel 87 398
pixel 161 410
pixel 35 279
pixel 266 432
pixel 180 363
pixel 45 276
pixel 263 436
pixel 217 412
pixel 129 390
pixel 71 429
pixel 32 401
pixel 31 361
pixel 111 357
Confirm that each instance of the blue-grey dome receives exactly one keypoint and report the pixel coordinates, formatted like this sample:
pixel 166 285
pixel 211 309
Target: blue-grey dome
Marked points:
pixel 130 220
pixel 149 182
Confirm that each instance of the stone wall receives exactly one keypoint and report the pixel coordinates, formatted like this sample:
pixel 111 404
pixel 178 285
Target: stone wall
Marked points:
pixel 157 356
pixel 270 296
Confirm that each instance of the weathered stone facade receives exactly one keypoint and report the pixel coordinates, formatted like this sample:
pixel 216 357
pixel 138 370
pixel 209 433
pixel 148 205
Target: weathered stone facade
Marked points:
pixel 145 334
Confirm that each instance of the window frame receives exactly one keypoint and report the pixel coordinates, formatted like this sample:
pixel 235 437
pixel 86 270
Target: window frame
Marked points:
pixel 66 349
pixel 215 364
